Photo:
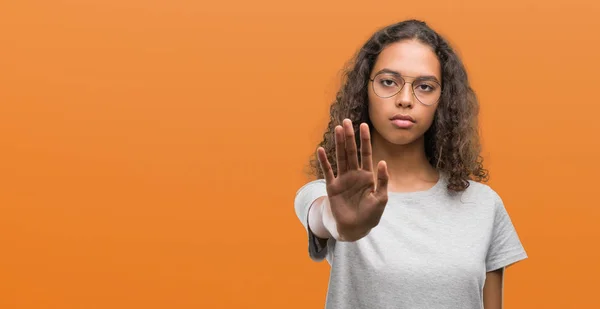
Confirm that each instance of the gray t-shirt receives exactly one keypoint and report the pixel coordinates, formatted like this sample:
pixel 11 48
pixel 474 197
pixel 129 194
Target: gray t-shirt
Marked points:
pixel 430 250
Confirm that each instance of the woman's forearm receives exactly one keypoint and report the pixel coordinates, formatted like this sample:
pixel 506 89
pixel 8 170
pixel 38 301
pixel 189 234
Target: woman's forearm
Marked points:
pixel 315 218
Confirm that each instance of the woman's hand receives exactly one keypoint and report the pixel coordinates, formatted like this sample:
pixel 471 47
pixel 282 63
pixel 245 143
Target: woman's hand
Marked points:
pixel 354 205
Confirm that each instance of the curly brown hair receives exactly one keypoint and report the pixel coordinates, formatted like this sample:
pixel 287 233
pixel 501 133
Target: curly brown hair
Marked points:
pixel 451 143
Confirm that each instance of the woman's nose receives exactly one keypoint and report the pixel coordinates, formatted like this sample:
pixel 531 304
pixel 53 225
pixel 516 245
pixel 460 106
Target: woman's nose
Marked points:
pixel 404 98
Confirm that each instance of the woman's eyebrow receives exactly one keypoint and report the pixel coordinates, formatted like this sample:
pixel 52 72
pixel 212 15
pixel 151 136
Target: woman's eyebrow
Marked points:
pixel 389 71
pixel 422 77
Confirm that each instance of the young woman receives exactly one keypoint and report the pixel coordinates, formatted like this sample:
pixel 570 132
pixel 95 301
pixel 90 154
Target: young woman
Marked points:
pixel 399 209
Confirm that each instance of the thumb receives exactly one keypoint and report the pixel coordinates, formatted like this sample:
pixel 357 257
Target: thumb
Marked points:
pixel 382 181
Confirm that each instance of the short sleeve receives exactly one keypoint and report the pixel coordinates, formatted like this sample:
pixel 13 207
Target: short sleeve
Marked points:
pixel 305 196
pixel 505 246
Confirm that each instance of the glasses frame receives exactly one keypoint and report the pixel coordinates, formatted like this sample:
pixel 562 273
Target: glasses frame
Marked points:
pixel 412 90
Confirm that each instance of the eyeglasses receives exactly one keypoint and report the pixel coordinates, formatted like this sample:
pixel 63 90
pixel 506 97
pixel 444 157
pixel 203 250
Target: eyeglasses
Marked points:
pixel 426 90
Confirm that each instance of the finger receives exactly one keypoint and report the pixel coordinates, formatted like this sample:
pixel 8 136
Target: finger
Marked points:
pixel 382 182
pixel 325 165
pixel 365 148
pixel 340 150
pixel 351 152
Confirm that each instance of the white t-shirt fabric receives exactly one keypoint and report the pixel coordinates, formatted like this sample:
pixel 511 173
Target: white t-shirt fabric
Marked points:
pixel 431 249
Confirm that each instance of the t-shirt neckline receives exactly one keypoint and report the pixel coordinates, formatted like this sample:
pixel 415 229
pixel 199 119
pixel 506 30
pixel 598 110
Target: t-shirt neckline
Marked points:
pixel 437 187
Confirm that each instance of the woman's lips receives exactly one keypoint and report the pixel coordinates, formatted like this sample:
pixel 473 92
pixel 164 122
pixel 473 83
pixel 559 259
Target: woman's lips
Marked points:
pixel 402 121
pixel 403 124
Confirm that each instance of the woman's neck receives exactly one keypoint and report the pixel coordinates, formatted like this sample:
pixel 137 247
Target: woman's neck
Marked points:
pixel 408 167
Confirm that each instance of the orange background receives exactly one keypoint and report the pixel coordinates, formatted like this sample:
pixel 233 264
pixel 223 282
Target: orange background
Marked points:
pixel 151 150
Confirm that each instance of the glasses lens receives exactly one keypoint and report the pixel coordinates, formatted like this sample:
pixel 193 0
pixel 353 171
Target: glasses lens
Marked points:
pixel 387 85
pixel 427 92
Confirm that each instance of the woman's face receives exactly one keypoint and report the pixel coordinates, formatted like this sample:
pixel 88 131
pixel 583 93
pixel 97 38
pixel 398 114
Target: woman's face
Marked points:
pixel 403 118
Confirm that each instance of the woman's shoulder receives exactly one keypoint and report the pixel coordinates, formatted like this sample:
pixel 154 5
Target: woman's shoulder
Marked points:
pixel 481 193
pixel 481 187
pixel 311 186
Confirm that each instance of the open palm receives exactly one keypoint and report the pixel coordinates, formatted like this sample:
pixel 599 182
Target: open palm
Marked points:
pixel 355 203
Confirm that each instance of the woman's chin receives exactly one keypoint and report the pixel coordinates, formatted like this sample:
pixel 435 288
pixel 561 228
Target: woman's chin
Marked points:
pixel 396 137
pixel 402 139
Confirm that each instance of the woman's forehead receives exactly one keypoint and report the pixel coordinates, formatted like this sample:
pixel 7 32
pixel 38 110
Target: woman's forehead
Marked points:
pixel 409 58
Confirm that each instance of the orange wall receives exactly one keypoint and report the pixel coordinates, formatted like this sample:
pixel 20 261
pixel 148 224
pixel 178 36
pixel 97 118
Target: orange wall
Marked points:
pixel 151 150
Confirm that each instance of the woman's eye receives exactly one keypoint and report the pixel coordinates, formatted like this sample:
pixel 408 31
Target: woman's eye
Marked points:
pixel 388 82
pixel 425 87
